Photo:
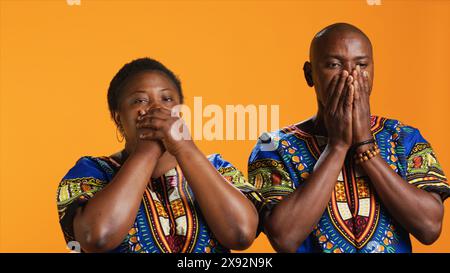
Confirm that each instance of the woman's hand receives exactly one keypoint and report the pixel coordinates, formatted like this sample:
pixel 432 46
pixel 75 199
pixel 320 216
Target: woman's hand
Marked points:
pixel 338 110
pixel 144 146
pixel 159 125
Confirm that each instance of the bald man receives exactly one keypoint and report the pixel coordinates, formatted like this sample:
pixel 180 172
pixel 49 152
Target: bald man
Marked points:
pixel 345 180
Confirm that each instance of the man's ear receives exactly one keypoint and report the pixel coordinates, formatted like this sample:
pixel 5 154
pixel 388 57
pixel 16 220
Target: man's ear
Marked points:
pixel 307 70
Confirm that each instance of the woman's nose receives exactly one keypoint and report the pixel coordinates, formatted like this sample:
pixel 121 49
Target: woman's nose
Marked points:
pixel 147 108
pixel 142 112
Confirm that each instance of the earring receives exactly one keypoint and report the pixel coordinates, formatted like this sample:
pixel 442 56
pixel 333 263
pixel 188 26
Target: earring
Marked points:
pixel 117 133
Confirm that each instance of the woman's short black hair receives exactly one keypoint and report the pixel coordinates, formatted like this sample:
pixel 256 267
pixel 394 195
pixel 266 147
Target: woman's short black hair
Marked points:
pixel 132 68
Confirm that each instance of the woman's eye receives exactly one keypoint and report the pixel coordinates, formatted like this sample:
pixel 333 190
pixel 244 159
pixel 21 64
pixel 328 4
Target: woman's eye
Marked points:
pixel 363 65
pixel 168 99
pixel 140 101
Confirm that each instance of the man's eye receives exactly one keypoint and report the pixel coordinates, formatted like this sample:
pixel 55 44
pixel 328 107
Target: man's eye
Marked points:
pixel 334 65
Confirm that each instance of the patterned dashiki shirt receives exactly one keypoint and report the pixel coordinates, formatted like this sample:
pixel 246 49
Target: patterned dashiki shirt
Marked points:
pixel 169 219
pixel 355 220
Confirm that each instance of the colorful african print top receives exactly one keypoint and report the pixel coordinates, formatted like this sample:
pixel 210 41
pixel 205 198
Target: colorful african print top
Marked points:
pixel 169 219
pixel 355 220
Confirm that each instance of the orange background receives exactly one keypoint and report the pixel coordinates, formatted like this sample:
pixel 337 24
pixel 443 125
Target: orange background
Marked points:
pixel 56 62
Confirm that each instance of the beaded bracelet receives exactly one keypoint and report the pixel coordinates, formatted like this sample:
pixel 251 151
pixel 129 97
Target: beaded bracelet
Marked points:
pixel 367 155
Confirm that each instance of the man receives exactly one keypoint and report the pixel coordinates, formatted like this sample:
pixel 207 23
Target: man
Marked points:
pixel 345 180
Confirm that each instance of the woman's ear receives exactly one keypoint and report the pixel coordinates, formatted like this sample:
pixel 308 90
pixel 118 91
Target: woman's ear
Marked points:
pixel 117 119
pixel 307 70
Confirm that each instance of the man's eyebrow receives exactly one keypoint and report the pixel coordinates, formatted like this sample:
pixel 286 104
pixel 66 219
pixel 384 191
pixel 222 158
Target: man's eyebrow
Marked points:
pixel 337 56
pixel 361 57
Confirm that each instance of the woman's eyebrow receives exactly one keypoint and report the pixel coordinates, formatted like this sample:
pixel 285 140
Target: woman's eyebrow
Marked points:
pixel 166 89
pixel 145 92
pixel 138 91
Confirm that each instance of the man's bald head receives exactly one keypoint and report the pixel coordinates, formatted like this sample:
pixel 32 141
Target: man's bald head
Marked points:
pixel 333 34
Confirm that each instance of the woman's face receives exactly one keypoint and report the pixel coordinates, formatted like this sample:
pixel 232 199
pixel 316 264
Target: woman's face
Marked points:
pixel 142 92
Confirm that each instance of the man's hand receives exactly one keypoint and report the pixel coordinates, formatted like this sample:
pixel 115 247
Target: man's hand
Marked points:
pixel 338 110
pixel 361 106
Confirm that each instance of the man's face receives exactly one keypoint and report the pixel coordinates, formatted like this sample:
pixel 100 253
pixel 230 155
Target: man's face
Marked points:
pixel 337 52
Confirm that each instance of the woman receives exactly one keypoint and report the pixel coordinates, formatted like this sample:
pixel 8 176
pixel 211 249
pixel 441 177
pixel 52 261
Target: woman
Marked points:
pixel 157 194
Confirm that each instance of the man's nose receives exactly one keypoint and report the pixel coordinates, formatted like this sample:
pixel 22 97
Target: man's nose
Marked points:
pixel 349 67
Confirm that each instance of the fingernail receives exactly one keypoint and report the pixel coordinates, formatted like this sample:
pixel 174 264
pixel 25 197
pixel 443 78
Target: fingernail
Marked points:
pixel 365 74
